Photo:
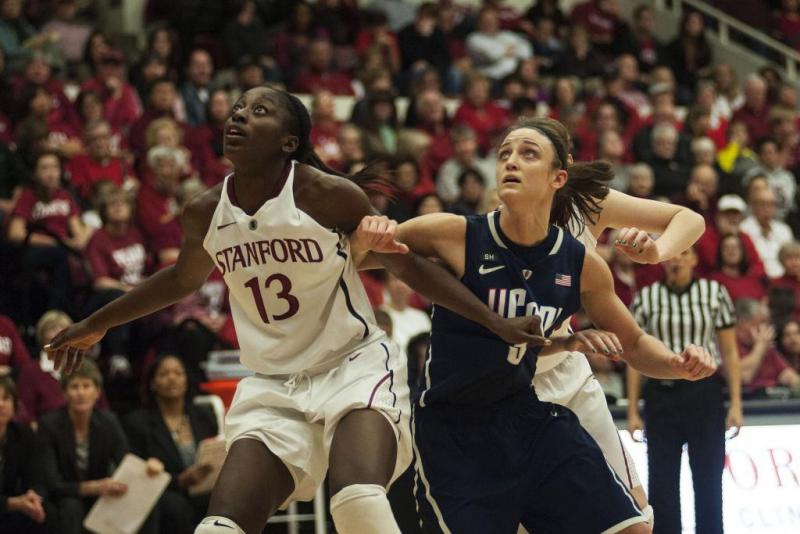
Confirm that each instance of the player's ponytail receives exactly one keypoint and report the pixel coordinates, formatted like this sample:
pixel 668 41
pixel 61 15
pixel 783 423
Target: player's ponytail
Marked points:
pixel 579 200
pixel 370 178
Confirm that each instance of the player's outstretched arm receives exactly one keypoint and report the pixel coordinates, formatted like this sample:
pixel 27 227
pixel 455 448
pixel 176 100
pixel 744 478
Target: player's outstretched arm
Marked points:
pixel 643 352
pixel 678 226
pixel 165 287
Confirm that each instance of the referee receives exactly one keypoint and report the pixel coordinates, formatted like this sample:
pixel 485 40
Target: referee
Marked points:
pixel 679 311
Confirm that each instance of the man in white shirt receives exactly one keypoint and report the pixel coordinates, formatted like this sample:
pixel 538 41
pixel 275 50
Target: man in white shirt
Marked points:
pixel 465 156
pixel 496 53
pixel 768 233
pixel 407 322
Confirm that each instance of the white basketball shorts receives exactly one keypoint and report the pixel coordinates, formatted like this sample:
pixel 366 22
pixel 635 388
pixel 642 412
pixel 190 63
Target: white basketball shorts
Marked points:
pixel 572 384
pixel 296 416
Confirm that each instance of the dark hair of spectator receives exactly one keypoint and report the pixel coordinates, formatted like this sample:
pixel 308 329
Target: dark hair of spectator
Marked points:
pixel 87 48
pixel 380 97
pixel 694 114
pixel 793 358
pixel 174 58
pixel 10 388
pixel 640 10
pixel 761 143
pixel 473 173
pixel 88 370
pixel 524 106
pixel 148 395
pixel 579 199
pixel 744 265
pixel 298 121
pixel 108 194
pixel 40 192
pixel 158 81
pixel 428 9
pixel 32 92
pixel 81 99
pixel 423 198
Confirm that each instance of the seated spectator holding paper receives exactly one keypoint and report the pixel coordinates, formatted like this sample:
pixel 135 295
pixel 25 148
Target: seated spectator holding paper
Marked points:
pixel 170 429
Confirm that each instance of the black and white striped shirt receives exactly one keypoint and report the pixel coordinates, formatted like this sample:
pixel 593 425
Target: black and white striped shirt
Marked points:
pixel 691 316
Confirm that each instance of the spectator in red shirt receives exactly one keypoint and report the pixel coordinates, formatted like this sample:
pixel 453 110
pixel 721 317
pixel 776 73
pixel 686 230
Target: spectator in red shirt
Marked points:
pixel 789 343
pixel 38 73
pixel 432 120
pixel 62 136
pixel 90 109
pixel 98 164
pixel 733 271
pixel 206 140
pixel 325 128
pixel 157 207
pixel 730 214
pixel 478 111
pixel 16 362
pixel 118 260
pixel 121 106
pixel 700 194
pixel 762 366
pixel 789 257
pixel 319 74
pixel 376 35
pixel 602 22
pixel 47 221
pixel 755 111
pixel 167 132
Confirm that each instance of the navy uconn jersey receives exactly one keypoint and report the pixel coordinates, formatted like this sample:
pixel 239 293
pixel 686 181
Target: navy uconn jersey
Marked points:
pixel 468 364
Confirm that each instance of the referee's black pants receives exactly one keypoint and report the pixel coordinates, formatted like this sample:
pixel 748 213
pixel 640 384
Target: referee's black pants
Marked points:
pixel 678 412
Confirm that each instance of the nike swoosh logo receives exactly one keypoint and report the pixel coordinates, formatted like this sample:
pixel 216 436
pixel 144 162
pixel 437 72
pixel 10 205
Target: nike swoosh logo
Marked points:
pixel 216 522
pixel 486 270
pixel 351 358
pixel 221 226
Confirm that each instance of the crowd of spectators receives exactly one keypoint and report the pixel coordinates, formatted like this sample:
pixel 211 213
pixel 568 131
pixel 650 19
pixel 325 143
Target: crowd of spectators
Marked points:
pixel 102 142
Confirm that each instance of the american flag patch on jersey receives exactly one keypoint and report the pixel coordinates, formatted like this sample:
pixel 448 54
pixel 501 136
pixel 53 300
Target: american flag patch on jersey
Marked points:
pixel 564 280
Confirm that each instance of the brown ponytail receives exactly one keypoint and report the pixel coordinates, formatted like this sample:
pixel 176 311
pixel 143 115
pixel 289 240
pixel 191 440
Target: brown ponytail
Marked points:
pixel 579 200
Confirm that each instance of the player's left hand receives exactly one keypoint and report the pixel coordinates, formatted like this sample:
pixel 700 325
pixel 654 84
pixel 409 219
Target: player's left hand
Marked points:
pixel 376 233
pixel 518 330
pixel 695 363
pixel 734 420
pixel 637 245
pixel 598 342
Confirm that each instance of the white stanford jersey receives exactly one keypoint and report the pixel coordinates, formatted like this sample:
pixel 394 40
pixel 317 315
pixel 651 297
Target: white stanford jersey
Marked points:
pixel 296 299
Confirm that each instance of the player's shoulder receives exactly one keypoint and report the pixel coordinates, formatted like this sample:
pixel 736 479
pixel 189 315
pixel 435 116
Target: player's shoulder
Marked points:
pixel 314 184
pixel 198 212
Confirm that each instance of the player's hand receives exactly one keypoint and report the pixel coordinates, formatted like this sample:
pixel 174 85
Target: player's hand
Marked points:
pixel 637 245
pixel 635 426
pixel 735 420
pixel 598 342
pixel 695 363
pixel 377 233
pixel 68 348
pixel 520 330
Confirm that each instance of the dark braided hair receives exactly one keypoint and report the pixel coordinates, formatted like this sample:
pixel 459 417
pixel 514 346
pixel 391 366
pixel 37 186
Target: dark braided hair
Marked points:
pixel 370 179
pixel 579 200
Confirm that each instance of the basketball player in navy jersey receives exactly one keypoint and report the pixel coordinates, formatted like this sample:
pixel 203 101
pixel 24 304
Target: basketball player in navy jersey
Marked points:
pixel 490 455
pixel 328 389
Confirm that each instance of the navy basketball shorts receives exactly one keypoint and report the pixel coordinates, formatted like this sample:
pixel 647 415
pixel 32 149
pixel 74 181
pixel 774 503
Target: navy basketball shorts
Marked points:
pixel 489 469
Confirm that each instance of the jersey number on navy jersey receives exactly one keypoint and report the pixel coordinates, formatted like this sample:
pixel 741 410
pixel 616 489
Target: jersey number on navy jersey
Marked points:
pixel 284 294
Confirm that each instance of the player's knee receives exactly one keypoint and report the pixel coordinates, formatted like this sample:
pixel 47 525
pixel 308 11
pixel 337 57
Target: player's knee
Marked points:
pixel 216 524
pixel 363 509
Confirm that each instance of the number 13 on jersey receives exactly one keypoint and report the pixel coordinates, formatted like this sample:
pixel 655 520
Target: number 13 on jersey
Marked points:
pixel 284 293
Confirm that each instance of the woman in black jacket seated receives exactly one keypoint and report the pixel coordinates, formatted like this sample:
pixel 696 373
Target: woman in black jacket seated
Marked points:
pixel 170 429
pixel 22 494
pixel 83 447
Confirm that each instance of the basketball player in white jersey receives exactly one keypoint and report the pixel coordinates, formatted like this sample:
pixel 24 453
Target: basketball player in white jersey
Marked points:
pixel 329 388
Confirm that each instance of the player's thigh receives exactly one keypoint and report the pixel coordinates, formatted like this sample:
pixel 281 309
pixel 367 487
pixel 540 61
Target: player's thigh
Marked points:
pixel 581 494
pixel 252 485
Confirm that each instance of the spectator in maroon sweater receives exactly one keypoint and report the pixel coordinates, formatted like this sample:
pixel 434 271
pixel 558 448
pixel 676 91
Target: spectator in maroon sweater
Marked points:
pixel 733 271
pixel 206 140
pixel 118 260
pixel 62 136
pixel 46 220
pixel 789 257
pixel 762 366
pixel 700 194
pixel 755 111
pixel 16 362
pixel 479 112
pixel 38 73
pixel 121 106
pixel 98 164
pixel 157 207
pixel 730 214
pixel 90 109
pixel 789 343
pixel 320 75
pixel 602 21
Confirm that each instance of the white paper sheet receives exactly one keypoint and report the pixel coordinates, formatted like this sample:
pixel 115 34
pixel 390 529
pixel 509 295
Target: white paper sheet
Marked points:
pixel 125 514
pixel 210 451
